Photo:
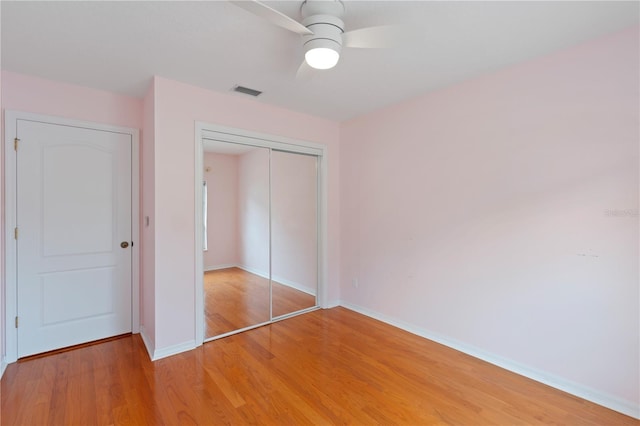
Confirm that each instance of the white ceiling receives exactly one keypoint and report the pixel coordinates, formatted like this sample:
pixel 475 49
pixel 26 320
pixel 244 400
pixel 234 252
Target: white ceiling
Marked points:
pixel 118 46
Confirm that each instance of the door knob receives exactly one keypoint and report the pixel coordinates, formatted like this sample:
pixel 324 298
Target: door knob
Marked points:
pixel 124 244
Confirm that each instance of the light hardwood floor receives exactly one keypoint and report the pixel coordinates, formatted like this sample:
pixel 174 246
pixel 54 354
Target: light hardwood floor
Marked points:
pixel 324 367
pixel 236 299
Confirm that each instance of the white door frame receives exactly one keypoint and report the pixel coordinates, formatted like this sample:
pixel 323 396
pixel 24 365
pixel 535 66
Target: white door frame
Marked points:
pixel 10 192
pixel 230 134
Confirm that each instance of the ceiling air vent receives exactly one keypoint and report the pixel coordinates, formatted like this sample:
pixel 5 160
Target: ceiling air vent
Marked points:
pixel 246 91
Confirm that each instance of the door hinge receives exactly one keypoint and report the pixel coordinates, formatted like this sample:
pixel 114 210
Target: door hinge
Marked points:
pixel 15 144
pixel 15 233
pixel 16 322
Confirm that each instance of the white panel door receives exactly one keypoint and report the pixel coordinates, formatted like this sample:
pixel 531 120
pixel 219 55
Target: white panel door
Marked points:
pixel 73 213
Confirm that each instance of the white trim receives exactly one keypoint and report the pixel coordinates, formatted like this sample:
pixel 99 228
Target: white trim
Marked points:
pixel 252 327
pixel 254 271
pixel 323 231
pixel 270 214
pixel 148 343
pixel 156 354
pixel 241 136
pixel 10 301
pixel 278 280
pixel 173 350
pixel 626 407
pixel 136 237
pixel 11 118
pixel 3 367
pixel 246 137
pixel 334 304
pixel 294 285
pixel 240 330
pixel 198 159
pixel 218 267
pixel 296 313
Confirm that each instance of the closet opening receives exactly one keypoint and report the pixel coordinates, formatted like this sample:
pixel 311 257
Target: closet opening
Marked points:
pixel 261 212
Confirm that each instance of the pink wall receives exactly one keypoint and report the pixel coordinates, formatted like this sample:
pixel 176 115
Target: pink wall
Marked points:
pixel 40 96
pixel 177 107
pixel 502 213
pixel 222 211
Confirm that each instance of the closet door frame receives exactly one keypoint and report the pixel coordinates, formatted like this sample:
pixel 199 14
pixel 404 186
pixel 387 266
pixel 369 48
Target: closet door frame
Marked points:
pixel 245 137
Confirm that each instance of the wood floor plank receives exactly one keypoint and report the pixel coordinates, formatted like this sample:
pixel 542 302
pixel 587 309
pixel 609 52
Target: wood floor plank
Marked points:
pixel 324 367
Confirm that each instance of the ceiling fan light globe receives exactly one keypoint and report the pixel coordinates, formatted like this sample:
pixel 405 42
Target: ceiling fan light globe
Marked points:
pixel 322 58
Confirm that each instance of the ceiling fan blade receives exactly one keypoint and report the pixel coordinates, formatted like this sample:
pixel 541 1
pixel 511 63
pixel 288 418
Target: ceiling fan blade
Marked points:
pixel 372 37
pixel 305 72
pixel 272 15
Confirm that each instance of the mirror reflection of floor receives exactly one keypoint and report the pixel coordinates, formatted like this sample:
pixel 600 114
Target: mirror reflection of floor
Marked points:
pixel 235 298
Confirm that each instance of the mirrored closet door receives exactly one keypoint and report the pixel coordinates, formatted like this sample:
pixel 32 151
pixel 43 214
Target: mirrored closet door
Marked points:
pixel 294 232
pixel 236 258
pixel 260 211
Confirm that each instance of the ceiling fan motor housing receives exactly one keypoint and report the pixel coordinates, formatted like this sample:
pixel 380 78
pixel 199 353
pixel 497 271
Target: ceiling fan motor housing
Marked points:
pixel 326 29
pixel 323 18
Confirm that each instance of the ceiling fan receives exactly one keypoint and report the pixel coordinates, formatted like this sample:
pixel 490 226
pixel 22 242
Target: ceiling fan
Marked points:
pixel 322 30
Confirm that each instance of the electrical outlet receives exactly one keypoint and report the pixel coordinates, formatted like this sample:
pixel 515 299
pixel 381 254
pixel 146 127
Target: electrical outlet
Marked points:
pixel 355 283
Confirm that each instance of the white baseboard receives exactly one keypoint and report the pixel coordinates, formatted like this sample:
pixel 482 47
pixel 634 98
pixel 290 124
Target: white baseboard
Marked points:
pixel 253 271
pixel 626 407
pixel 279 280
pixel 294 285
pixel 217 267
pixel 173 350
pixel 156 354
pixel 3 367
pixel 334 304
pixel 148 343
